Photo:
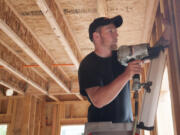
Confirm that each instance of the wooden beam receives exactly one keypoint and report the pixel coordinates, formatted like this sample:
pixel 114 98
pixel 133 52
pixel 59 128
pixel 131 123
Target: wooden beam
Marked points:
pixel 69 102
pixel 73 121
pixel 21 44
pixel 172 12
pixel 102 8
pixel 26 113
pixel 12 82
pixel 158 23
pixel 57 20
pixel 54 90
pixel 15 28
pixel 2 89
pixel 8 46
pixel 14 65
pixel 43 119
pixel 10 106
pixel 54 119
pixel 149 20
pixel 176 17
pixel 76 102
pixel 4 118
pixel 39 108
pixel 61 114
pixel 61 109
pixel 58 124
pixel 13 117
pixel 11 97
pixel 32 116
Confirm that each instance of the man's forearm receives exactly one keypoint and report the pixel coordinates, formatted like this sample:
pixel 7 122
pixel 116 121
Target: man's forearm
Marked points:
pixel 101 96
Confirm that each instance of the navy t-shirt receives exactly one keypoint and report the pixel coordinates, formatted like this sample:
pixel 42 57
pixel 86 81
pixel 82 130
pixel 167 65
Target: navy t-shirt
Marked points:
pixel 99 71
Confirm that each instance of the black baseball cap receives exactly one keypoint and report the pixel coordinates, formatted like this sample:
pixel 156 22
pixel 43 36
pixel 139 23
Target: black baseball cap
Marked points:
pixel 101 21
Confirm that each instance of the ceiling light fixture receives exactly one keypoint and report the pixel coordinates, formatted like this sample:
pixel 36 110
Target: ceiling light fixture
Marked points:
pixel 9 92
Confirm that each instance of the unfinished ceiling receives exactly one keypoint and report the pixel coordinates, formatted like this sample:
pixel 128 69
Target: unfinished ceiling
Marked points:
pixel 43 41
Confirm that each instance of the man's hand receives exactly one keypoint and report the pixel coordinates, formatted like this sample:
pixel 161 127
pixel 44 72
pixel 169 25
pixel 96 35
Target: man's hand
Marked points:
pixel 134 67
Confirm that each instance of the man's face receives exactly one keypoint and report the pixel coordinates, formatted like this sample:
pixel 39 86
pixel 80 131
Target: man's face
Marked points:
pixel 108 34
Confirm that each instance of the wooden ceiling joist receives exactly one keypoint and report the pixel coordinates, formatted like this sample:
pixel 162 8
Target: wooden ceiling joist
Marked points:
pixel 57 20
pixel 149 21
pixel 16 30
pixel 7 45
pixel 15 65
pixel 26 48
pixel 12 82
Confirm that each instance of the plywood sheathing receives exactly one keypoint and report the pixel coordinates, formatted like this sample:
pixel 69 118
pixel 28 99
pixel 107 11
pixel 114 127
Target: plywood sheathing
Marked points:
pixel 79 14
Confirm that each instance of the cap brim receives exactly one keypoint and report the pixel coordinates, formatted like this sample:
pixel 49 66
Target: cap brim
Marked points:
pixel 117 21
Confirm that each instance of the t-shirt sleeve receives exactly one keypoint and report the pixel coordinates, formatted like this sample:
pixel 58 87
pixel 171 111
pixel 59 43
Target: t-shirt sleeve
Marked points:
pixel 87 79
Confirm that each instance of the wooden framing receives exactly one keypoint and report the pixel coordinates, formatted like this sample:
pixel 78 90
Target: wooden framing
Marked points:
pixel 7 45
pixel 56 18
pixel 148 23
pixel 34 56
pixel 5 118
pixel 21 36
pixel 155 36
pixel 28 115
pixel 14 83
pixel 16 67
pixel 172 13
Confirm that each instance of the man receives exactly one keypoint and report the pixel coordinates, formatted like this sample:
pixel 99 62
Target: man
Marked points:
pixel 102 78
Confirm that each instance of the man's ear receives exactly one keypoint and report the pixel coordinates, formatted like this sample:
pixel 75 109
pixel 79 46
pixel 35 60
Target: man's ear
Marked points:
pixel 96 36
